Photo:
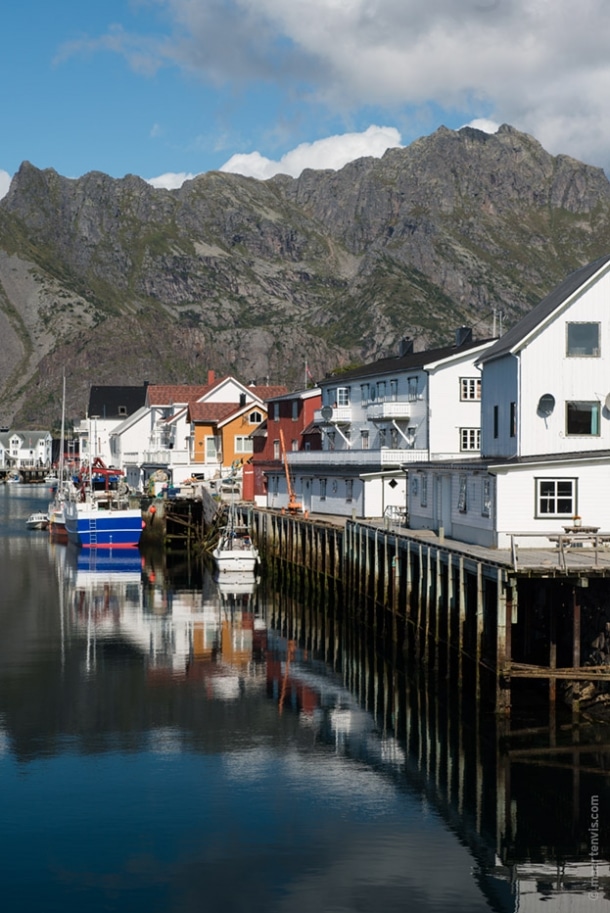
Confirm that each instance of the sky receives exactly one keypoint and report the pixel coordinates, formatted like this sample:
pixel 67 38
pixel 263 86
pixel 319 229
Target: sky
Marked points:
pixel 168 89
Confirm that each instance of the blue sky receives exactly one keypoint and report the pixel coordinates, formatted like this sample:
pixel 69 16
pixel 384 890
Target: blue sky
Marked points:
pixel 167 89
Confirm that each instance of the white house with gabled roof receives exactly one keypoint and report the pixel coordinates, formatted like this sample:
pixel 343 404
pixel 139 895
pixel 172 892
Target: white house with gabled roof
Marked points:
pixel 545 427
pixel 411 407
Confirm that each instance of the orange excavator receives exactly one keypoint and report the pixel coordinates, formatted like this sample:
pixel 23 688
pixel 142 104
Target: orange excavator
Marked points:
pixel 293 505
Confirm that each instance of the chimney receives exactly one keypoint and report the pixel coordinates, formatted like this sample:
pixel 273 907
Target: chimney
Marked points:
pixel 211 377
pixel 242 399
pixel 463 335
pixel 406 346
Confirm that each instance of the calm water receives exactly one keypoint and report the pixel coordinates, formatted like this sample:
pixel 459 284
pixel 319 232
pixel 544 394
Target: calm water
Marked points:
pixel 167 745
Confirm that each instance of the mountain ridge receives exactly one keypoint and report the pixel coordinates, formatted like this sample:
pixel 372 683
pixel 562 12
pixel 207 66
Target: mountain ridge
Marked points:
pixel 114 281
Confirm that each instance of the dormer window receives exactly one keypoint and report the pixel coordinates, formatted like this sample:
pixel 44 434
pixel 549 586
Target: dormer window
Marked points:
pixel 582 340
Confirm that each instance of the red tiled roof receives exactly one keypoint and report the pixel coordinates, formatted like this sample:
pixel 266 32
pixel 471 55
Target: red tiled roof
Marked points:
pixel 265 393
pixel 175 394
pixel 211 412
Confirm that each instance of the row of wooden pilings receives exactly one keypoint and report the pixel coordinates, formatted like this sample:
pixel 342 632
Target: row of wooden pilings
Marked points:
pixel 452 608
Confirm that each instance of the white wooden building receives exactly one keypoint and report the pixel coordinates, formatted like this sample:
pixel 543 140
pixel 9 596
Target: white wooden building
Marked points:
pixel 412 407
pixel 545 427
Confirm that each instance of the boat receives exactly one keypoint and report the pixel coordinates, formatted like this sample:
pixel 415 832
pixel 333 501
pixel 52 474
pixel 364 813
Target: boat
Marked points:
pixel 235 550
pixel 63 487
pixel 98 515
pixel 38 520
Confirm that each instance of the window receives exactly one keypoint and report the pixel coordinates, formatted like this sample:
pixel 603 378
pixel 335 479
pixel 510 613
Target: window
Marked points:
pixel 582 340
pixel 462 495
pixel 255 418
pixel 212 449
pixel 470 438
pixel 582 418
pixel 394 438
pixel 276 412
pixel 294 444
pixel 411 389
pixel 513 419
pixel 496 421
pixel 349 489
pixel 423 497
pixel 381 390
pixel 331 440
pixel 364 393
pixel 276 450
pixel 470 388
pixel 364 440
pixel 322 489
pixel 486 499
pixel 393 390
pixel 243 444
pixel 382 437
pixel 555 497
pixel 295 410
pixel 343 396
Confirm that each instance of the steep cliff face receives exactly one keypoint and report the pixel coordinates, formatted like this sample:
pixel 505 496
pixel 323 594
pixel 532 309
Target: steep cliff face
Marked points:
pixel 114 281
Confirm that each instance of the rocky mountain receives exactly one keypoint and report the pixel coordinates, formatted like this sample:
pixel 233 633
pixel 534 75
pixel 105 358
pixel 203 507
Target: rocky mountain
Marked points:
pixel 113 281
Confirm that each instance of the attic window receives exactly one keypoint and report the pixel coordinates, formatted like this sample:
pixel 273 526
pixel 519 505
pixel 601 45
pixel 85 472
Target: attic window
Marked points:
pixel 122 410
pixel 582 340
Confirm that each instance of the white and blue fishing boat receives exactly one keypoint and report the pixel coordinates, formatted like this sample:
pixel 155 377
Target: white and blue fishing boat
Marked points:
pixel 99 516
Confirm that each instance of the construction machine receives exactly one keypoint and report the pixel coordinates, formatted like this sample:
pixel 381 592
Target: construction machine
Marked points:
pixel 293 505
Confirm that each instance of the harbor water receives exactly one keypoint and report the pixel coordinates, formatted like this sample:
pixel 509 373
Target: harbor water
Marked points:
pixel 169 742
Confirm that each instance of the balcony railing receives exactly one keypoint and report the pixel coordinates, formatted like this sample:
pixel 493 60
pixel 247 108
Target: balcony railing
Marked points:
pixel 364 458
pixel 167 457
pixel 333 415
pixel 389 411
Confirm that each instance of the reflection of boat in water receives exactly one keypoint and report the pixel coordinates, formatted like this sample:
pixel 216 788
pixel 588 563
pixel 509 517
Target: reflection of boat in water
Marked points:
pixel 99 579
pixel 38 520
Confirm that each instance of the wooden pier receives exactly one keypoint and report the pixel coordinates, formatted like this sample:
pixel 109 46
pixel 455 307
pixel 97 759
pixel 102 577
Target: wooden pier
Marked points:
pixel 515 614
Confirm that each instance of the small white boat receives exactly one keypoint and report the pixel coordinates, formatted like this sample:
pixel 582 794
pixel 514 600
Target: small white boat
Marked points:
pixel 235 550
pixel 37 520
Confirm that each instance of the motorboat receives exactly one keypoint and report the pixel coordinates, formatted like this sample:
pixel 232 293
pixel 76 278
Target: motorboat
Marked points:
pixel 38 520
pixel 235 550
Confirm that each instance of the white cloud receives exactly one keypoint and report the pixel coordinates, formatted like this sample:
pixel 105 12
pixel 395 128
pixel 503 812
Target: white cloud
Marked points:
pixel 483 124
pixel 541 66
pixel 170 181
pixel 5 183
pixel 332 152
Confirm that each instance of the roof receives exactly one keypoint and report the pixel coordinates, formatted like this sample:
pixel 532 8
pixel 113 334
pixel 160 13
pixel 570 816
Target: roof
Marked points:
pixel 211 412
pixel 511 340
pixel 115 402
pixel 409 362
pixel 267 392
pixel 172 394
pixel 296 394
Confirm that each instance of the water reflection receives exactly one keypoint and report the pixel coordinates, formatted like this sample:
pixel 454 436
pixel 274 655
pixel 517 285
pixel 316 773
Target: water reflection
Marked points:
pixel 193 743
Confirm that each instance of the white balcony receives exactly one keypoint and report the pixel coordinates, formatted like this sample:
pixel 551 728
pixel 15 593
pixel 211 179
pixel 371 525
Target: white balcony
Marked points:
pixel 333 415
pixel 167 457
pixel 399 411
pixel 367 459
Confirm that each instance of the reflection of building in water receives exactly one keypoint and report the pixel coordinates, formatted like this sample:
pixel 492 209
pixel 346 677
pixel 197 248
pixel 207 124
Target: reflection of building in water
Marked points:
pixel 532 804
pixel 211 630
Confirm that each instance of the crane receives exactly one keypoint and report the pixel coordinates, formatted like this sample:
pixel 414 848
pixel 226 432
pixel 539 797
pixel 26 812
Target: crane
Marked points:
pixel 293 504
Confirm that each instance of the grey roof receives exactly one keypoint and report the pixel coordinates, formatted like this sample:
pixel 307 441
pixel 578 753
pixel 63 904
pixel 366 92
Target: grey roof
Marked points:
pixel 408 362
pixel 554 300
pixel 116 402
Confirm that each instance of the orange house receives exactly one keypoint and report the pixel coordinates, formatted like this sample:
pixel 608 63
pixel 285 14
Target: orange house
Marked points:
pixel 221 432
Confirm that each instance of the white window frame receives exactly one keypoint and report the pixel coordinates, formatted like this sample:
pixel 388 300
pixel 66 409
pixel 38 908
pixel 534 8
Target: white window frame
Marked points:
pixel 470 439
pixel 243 443
pixel 470 389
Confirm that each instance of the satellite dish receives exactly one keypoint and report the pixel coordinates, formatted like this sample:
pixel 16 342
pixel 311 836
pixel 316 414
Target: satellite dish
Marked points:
pixel 607 403
pixel 546 404
pixel 327 413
